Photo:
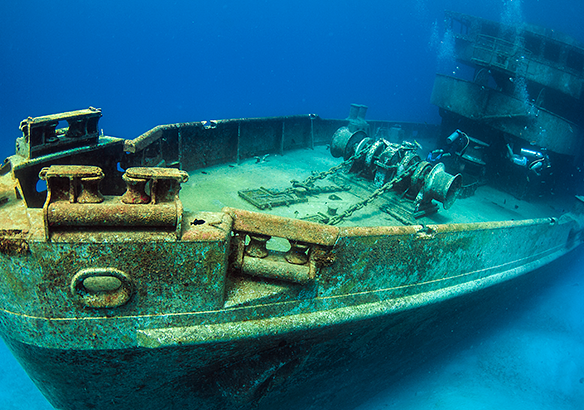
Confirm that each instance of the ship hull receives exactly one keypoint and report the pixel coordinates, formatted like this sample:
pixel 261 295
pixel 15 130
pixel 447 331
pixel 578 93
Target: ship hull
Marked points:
pixel 327 367
pixel 117 299
pixel 316 350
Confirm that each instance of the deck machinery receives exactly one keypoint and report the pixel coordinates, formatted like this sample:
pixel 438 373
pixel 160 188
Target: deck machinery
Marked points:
pixel 520 110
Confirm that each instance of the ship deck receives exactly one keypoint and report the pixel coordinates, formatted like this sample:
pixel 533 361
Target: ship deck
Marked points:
pixel 212 188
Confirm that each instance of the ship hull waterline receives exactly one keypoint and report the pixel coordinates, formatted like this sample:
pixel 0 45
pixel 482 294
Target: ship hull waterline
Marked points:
pixel 403 279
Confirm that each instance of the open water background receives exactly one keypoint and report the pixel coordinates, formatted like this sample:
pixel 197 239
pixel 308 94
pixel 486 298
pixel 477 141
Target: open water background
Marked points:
pixel 147 63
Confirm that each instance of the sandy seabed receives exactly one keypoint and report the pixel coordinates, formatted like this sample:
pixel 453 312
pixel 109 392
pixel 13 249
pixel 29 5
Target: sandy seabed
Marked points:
pixel 531 360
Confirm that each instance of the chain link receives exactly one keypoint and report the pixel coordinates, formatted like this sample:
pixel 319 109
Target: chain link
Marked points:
pixel 308 183
pixel 380 191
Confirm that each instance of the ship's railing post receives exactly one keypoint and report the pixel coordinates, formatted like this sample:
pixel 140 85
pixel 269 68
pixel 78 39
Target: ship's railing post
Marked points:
pixel 135 190
pixel 74 183
pixel 297 253
pixel 257 247
pixel 163 183
pixel 310 246
pixel 74 201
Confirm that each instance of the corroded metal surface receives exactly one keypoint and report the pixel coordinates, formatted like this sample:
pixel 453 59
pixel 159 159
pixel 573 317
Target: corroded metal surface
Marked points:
pixel 524 94
pixel 507 113
pixel 265 224
pixel 74 199
pixel 545 56
pixel 425 263
pixel 211 142
pixel 41 135
pixel 106 154
pixel 249 355
pixel 113 296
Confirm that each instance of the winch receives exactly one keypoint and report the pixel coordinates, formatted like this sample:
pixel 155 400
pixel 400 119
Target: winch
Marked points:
pixel 392 167
pixel 397 164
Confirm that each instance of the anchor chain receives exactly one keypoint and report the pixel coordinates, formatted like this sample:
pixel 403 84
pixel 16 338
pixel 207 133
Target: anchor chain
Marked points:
pixel 308 183
pixel 269 198
pixel 380 191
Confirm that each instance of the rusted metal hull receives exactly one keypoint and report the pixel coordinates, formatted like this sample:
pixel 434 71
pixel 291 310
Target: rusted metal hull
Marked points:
pixel 506 113
pixel 173 346
pixel 114 299
pixel 323 368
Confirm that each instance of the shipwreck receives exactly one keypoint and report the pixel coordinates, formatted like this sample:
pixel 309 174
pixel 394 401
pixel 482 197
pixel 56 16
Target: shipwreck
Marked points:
pixel 261 263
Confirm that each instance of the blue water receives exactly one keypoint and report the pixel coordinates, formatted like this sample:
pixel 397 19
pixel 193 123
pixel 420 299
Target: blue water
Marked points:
pixel 147 63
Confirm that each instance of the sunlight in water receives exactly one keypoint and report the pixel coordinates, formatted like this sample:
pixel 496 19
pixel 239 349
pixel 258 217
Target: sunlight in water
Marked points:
pixel 512 16
pixel 446 51
pixel 444 47
pixel 512 13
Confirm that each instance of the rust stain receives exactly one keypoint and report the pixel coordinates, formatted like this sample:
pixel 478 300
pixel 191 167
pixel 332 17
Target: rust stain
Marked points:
pixel 13 243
